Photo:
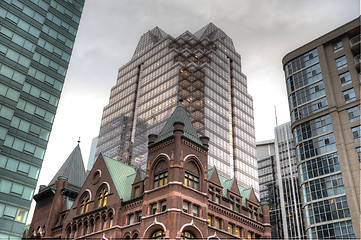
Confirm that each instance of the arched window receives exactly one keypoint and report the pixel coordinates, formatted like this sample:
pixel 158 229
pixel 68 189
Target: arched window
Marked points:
pixel 85 228
pixel 68 231
pixel 91 229
pixel 187 235
pixel 159 234
pixel 104 222
pixel 102 197
pixel 110 220
pixel 84 204
pixel 135 236
pixel 74 232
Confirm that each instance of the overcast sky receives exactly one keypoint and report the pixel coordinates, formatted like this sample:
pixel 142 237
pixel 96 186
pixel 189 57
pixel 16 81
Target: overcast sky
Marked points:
pixel 263 32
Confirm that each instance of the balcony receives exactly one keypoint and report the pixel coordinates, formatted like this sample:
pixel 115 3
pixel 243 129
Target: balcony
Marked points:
pixel 355 44
pixel 357 60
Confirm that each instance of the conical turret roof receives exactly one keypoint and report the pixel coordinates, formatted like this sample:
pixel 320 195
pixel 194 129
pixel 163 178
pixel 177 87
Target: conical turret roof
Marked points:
pixel 179 115
pixel 73 168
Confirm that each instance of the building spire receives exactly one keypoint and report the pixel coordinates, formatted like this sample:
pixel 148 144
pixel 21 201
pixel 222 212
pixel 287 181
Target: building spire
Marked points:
pixel 78 141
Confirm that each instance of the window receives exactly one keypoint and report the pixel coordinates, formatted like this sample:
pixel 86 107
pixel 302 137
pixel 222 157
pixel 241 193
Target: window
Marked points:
pixel 111 220
pixel 104 224
pixel 185 207
pixel 353 114
pixel 230 228
pixel 137 191
pixel 131 219
pixel 103 197
pixel 231 205
pixel 160 179
pixel 209 220
pixel 349 95
pixel 217 223
pixel 91 229
pixel 85 228
pixel 139 216
pixel 341 62
pixel 195 211
pixel 84 205
pixel 153 209
pixel 337 47
pixel 217 197
pixel 238 208
pixel 358 151
pixel 191 180
pixel 345 78
pixel 187 235
pixel 356 133
pixel 163 206
pixel 159 234
pixel 238 231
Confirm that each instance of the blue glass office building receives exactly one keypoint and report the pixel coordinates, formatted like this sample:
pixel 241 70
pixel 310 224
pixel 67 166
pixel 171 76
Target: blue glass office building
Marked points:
pixel 36 41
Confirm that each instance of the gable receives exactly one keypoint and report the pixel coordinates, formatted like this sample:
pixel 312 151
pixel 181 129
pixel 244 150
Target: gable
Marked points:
pixel 213 177
pixel 234 187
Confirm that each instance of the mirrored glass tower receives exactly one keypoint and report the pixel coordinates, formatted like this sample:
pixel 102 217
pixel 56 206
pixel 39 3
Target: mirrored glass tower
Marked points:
pixel 36 41
pixel 202 69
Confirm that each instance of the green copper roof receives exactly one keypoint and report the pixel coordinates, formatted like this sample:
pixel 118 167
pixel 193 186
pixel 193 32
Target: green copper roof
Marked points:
pixel 122 175
pixel 179 115
pixel 226 183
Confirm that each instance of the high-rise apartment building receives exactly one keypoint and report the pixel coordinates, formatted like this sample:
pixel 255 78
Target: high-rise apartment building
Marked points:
pixel 204 70
pixel 323 84
pixel 279 184
pixel 36 41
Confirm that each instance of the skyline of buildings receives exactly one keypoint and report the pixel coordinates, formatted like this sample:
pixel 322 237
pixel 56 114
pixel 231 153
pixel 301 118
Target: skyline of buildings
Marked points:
pixel 177 197
pixel 36 42
pixel 204 70
pixel 323 85
pixel 279 184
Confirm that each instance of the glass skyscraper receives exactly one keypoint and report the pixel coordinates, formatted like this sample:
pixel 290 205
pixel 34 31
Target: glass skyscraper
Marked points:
pixel 36 41
pixel 204 70
pixel 323 84
pixel 279 184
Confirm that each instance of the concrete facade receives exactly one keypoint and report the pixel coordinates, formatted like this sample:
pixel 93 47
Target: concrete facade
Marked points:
pixel 323 83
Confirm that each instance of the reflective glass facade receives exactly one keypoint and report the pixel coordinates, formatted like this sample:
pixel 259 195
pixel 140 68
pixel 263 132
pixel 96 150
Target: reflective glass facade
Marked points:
pixel 204 70
pixel 279 184
pixel 36 41
pixel 325 117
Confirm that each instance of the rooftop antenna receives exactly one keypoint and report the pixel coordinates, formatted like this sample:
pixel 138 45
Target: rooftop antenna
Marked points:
pixel 78 140
pixel 276 116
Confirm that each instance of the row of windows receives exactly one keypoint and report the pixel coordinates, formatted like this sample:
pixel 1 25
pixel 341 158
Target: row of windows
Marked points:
pixel 12 74
pixel 53 49
pixel 16 189
pixel 19 40
pixel 49 64
pixel 356 133
pixel 333 231
pixel 30 128
pixel 313 128
pixel 65 11
pixel 102 200
pixel 58 36
pixel 45 78
pixel 323 187
pixel 316 146
pixel 304 78
pixel 23 146
pixel 349 95
pixel 35 110
pixel 19 167
pixel 337 46
pixel 9 92
pixel 327 210
pixel 27 10
pixel 307 94
pixel 353 114
pixel 345 78
pixel 38 93
pixel 319 166
pixel 19 22
pixel 14 56
pixel 61 23
pixel 301 62
pixel 341 62
pixel 13 213
pixel 309 109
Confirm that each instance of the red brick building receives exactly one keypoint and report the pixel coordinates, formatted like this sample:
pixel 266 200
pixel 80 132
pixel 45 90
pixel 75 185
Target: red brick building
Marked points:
pixel 177 197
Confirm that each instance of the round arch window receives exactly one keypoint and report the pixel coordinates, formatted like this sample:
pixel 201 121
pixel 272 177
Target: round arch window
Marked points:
pixel 159 234
pixel 187 235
